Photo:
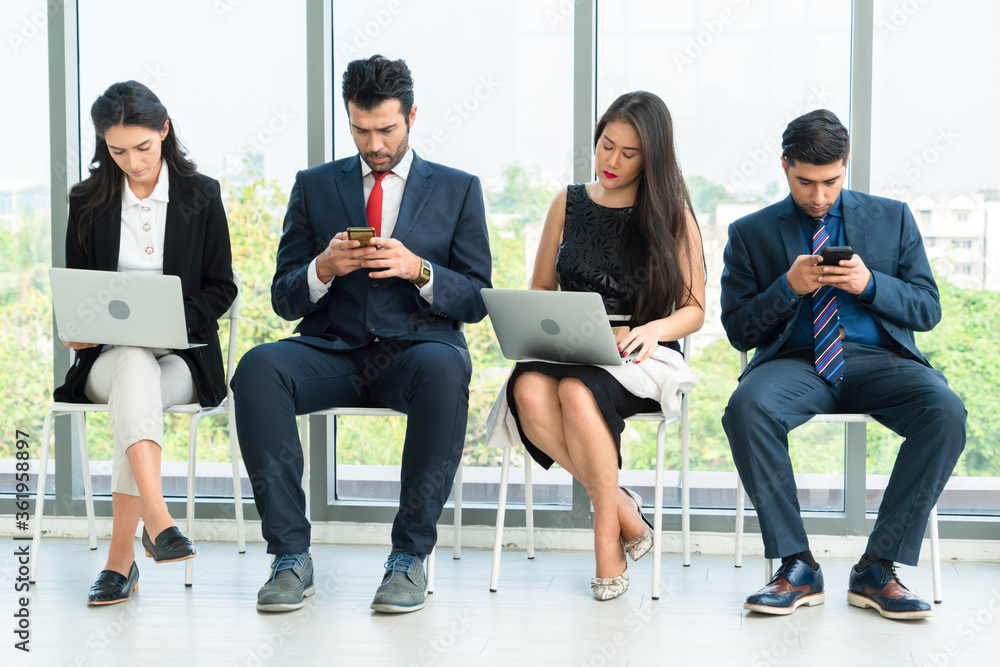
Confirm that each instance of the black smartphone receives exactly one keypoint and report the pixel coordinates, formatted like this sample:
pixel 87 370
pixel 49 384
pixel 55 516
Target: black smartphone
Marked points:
pixel 833 254
pixel 362 234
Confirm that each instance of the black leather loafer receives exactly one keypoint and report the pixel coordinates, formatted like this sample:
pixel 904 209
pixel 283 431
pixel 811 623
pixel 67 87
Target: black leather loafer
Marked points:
pixel 112 587
pixel 170 546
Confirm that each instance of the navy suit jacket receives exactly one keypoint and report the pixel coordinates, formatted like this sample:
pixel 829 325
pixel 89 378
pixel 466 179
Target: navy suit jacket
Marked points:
pixel 441 218
pixel 763 245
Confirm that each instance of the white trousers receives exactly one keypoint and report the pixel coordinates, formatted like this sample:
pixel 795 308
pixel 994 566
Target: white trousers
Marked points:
pixel 137 383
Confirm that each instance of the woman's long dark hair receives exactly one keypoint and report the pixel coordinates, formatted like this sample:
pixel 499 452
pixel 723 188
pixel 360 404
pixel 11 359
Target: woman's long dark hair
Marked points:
pixel 657 237
pixel 129 103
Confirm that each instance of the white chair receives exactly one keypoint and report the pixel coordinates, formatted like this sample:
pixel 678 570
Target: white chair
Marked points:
pixel 379 412
pixel 197 412
pixel 847 418
pixel 661 434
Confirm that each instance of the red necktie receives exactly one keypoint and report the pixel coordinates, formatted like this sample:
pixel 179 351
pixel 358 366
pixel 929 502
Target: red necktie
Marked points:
pixel 374 207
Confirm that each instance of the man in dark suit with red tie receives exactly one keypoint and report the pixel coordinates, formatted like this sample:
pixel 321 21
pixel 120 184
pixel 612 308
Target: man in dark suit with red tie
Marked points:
pixel 828 339
pixel 381 327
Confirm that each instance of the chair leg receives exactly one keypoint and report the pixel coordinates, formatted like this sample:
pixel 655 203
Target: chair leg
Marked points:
pixel 738 530
pixel 430 571
pixel 501 510
pixel 529 506
pixel 43 466
pixel 685 484
pixel 456 547
pixel 304 438
pixel 661 437
pixel 935 556
pixel 189 509
pixel 88 491
pixel 234 446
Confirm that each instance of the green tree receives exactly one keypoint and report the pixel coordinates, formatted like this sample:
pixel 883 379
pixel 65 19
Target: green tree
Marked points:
pixel 705 194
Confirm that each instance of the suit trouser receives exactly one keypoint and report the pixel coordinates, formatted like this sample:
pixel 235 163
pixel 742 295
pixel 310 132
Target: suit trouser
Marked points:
pixel 911 399
pixel 274 382
pixel 137 383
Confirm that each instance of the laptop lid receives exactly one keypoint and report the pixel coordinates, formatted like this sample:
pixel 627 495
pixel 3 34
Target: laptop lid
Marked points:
pixel 114 308
pixel 567 327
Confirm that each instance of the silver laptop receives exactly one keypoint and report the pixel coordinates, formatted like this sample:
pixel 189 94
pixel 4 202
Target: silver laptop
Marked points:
pixel 567 327
pixel 116 308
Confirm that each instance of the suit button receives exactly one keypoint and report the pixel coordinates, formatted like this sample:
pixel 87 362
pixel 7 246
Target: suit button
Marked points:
pixel 374 283
pixel 371 327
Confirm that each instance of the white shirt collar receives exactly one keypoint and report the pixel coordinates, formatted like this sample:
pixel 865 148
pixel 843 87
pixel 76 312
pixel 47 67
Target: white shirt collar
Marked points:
pixel 402 169
pixel 161 192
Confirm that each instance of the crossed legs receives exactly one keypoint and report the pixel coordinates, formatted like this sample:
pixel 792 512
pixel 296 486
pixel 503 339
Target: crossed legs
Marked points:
pixel 561 417
pixel 137 383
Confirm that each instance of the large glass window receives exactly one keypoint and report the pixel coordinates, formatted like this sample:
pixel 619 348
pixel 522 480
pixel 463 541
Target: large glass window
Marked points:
pixel 233 78
pixel 932 127
pixel 25 239
pixel 733 73
pixel 494 97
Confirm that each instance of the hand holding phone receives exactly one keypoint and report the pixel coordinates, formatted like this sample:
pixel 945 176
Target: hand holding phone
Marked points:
pixel 833 254
pixel 362 234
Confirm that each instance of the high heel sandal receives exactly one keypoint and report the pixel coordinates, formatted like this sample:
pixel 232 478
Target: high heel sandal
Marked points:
pixel 608 588
pixel 640 545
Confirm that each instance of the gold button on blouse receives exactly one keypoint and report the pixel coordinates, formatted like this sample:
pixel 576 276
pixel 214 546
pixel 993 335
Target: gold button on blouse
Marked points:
pixel 145 209
pixel 145 227
pixel 149 250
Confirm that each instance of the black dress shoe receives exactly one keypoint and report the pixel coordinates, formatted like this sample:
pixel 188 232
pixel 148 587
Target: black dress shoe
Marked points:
pixel 170 546
pixel 112 587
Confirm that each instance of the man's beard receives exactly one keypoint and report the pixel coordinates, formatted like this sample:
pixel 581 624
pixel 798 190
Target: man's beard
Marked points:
pixel 394 159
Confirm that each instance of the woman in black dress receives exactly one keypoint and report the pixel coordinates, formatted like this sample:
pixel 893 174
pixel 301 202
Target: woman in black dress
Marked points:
pixel 631 236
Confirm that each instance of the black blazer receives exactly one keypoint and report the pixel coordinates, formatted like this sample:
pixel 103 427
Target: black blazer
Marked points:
pixel 441 218
pixel 195 248
pixel 763 245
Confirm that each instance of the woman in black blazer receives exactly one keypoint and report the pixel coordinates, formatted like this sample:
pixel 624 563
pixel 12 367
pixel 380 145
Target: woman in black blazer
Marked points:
pixel 144 208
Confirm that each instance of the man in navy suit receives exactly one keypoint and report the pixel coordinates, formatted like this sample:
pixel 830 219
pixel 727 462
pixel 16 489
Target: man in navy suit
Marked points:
pixel 381 327
pixel 835 339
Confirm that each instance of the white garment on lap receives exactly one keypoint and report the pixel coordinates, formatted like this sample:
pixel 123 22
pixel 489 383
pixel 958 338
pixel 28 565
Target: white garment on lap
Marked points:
pixel 663 376
pixel 137 383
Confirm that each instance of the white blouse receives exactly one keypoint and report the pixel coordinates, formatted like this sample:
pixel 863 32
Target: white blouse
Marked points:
pixel 143 226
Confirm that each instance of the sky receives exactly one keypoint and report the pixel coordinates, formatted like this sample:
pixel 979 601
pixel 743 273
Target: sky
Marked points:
pixel 494 80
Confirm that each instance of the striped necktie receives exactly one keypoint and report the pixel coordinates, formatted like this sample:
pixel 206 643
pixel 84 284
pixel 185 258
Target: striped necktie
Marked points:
pixel 827 347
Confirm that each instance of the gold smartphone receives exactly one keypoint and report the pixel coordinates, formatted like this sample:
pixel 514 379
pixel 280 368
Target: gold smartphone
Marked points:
pixel 362 234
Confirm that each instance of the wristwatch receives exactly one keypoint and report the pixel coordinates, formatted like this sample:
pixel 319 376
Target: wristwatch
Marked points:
pixel 425 274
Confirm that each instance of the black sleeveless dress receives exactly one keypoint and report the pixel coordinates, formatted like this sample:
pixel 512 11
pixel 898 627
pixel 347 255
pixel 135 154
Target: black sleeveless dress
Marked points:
pixel 589 261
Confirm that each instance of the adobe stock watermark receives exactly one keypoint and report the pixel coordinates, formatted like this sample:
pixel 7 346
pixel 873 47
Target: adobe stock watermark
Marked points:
pixel 457 115
pixel 363 35
pixel 34 24
pixel 225 7
pixel 268 646
pixel 971 627
pixel 437 647
pixel 770 150
pixel 898 16
pixel 562 12
pixel 608 648
pixel 779 648
pixel 920 162
pixel 711 30
pixel 278 122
